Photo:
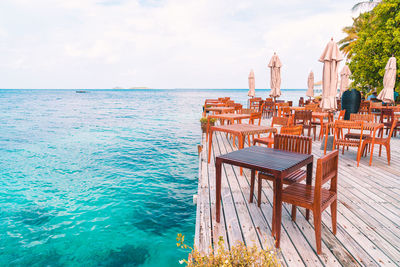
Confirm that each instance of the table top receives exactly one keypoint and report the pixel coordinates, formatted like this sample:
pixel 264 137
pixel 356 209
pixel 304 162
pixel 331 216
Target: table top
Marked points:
pixel 298 108
pixel 266 159
pixel 366 125
pixel 220 108
pixel 244 129
pixel 228 116
pixel 320 114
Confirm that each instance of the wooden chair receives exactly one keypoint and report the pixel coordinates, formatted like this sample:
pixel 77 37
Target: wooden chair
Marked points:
pixel 256 115
pixel 269 140
pixel 365 107
pixel 284 111
pixel 292 130
pixel 341 114
pixel 317 198
pixel 255 102
pixel 338 140
pixel 301 102
pixel 387 117
pixel 304 117
pixel 292 143
pixel 268 110
pixel 359 117
pixel 238 108
pixel 379 141
pixel 311 107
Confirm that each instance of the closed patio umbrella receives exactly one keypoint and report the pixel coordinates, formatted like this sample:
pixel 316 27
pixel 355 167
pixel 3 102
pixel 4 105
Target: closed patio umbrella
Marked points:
pixel 310 84
pixel 389 80
pixel 344 79
pixel 252 84
pixel 331 58
pixel 275 65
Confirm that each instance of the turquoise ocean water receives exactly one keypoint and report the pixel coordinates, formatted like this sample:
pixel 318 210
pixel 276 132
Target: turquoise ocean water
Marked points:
pixel 104 178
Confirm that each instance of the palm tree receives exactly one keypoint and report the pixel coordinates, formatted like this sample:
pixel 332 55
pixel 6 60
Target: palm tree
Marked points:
pixel 347 43
pixel 365 5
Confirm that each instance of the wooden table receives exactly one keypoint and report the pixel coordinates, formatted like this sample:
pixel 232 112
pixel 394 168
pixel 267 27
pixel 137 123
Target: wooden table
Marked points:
pixel 369 126
pixel 239 130
pixel 231 117
pixel 277 162
pixel 220 110
pixel 297 108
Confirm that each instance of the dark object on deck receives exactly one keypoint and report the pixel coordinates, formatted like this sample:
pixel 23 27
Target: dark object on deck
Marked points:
pixel 81 92
pixel 329 144
pixel 351 100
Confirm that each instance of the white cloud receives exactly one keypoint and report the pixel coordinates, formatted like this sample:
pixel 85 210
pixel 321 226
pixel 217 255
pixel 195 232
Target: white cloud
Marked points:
pixel 163 44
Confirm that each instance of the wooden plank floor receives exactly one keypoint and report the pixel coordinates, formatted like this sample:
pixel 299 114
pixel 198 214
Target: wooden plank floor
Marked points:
pixel 368 231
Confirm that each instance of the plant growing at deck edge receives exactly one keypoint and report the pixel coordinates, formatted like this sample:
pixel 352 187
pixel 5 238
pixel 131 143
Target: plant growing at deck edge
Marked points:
pixel 238 255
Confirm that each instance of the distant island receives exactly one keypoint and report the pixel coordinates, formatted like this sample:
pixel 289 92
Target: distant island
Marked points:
pixel 138 87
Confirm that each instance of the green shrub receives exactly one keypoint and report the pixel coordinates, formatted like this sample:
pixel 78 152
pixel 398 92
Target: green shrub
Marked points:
pixel 204 120
pixel 238 255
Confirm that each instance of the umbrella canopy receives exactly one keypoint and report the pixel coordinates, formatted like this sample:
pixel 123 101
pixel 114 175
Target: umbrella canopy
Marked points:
pixel 344 79
pixel 331 58
pixel 310 84
pixel 275 65
pixel 252 84
pixel 389 80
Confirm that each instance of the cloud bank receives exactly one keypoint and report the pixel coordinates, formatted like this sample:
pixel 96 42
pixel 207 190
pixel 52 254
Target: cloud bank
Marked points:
pixel 163 44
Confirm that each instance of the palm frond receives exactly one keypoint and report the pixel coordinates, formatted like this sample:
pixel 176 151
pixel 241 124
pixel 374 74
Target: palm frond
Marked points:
pixel 365 5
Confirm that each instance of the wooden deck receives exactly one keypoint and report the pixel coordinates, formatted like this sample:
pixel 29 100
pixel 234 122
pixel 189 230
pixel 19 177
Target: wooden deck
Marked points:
pixel 368 231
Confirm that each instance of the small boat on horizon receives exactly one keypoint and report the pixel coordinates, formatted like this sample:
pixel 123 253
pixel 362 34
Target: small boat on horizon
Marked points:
pixel 81 92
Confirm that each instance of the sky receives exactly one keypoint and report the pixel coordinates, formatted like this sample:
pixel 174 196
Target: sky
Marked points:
pixel 89 44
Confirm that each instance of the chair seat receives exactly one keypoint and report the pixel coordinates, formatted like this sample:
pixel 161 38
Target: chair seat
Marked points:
pixel 341 142
pixel 294 177
pixel 303 195
pixel 264 140
pixel 355 136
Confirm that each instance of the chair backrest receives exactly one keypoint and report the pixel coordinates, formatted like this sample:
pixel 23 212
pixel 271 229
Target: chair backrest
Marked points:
pixel 304 116
pixel 311 107
pixel 256 115
pixel 293 143
pixel 327 170
pixel 349 125
pixel 365 107
pixel 292 130
pixel 341 114
pixel 284 111
pixel 362 117
pixel 339 104
pixel 238 108
pixel 394 124
pixel 301 102
pixel 281 121
pixel 387 113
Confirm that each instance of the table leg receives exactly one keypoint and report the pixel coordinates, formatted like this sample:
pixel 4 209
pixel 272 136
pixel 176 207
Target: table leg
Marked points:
pixel 210 146
pixel 218 189
pixel 208 128
pixel 326 138
pixel 278 210
pixel 241 144
pixel 252 182
pixel 309 182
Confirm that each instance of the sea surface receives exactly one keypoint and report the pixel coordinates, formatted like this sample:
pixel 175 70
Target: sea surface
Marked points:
pixel 103 178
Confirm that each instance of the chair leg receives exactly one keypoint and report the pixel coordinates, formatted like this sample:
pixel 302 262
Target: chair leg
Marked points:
pixel 372 153
pixel 259 181
pixel 307 214
pixel 252 181
pixel 387 146
pixel 334 216
pixel 293 213
pixel 317 227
